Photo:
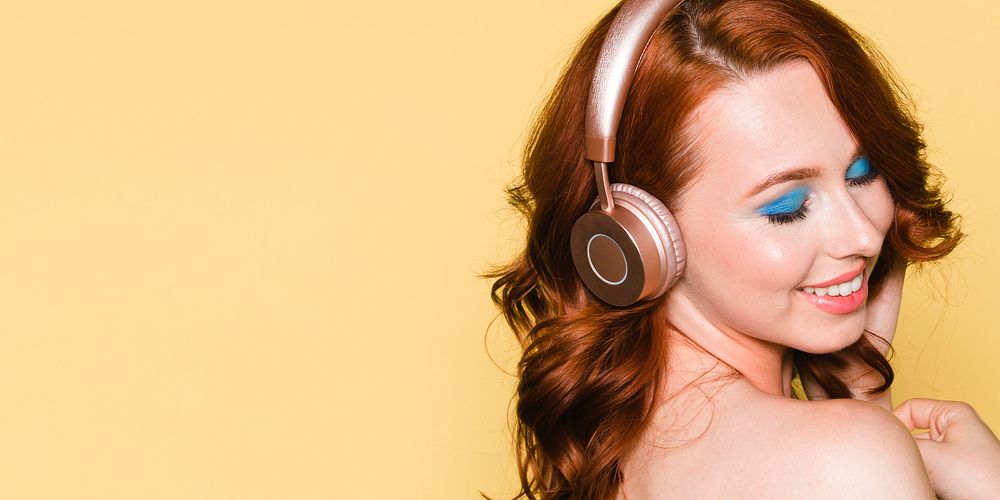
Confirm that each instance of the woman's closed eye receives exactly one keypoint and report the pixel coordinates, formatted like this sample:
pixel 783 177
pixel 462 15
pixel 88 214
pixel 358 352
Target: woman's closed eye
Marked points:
pixel 787 208
pixel 860 172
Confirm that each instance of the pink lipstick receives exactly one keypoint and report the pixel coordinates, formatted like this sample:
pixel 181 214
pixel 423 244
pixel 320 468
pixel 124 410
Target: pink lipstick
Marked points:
pixel 842 304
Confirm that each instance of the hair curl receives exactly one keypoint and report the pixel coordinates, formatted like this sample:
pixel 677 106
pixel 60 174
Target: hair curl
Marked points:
pixel 589 372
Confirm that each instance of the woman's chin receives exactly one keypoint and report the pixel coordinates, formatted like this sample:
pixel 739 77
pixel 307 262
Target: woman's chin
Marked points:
pixel 832 341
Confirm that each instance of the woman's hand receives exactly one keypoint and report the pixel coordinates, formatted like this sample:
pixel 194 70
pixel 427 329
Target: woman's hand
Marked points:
pixel 883 311
pixel 960 452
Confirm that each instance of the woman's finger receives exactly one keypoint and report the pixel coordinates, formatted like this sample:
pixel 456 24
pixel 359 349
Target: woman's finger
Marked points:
pixel 915 413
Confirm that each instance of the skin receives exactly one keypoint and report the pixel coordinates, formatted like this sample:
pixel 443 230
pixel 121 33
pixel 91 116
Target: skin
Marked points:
pixel 739 309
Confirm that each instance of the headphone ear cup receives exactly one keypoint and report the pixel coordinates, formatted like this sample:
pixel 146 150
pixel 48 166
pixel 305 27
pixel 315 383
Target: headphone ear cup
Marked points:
pixel 633 253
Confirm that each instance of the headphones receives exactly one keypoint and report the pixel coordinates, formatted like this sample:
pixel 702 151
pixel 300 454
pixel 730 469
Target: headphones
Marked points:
pixel 628 247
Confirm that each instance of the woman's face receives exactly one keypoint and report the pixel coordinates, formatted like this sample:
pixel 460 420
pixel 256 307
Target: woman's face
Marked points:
pixel 785 206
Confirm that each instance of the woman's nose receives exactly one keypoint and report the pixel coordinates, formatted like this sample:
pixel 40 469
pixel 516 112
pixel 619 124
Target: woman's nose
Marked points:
pixel 854 227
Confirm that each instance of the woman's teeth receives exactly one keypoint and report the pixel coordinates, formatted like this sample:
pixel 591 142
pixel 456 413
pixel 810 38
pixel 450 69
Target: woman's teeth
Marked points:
pixel 840 290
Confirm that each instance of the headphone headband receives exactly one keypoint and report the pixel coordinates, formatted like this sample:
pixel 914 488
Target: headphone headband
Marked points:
pixel 628 247
pixel 627 38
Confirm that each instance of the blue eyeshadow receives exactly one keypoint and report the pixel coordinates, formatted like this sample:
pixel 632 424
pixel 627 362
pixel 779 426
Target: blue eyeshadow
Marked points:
pixel 788 202
pixel 859 168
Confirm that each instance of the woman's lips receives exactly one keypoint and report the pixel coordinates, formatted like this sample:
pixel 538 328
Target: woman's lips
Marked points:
pixel 839 304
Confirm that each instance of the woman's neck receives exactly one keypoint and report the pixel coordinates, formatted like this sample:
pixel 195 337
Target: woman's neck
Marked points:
pixel 696 346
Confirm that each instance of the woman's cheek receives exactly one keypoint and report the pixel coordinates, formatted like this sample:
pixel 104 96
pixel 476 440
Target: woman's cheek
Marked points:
pixel 779 252
pixel 887 209
pixel 876 203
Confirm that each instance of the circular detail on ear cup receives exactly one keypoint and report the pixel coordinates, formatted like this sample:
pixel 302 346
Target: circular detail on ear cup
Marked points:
pixel 589 265
pixel 604 253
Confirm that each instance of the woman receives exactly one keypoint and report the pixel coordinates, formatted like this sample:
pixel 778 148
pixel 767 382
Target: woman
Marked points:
pixel 793 170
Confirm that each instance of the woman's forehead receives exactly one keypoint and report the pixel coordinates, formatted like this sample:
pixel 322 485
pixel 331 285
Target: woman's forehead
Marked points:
pixel 770 122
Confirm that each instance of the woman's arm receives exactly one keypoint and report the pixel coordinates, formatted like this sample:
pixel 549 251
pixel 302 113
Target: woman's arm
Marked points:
pixel 883 313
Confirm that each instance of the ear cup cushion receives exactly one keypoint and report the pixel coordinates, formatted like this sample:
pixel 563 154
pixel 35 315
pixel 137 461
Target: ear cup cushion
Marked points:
pixel 663 221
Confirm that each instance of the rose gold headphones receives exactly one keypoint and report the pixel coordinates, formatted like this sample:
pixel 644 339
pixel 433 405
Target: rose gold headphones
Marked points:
pixel 628 247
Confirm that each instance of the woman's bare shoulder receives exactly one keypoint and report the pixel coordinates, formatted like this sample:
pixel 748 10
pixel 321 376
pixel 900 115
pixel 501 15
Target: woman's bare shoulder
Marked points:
pixel 784 448
pixel 853 448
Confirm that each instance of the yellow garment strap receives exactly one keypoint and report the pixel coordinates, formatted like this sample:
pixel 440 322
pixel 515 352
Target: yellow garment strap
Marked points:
pixel 798 392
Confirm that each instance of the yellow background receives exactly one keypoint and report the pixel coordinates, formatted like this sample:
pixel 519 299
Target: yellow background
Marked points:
pixel 240 239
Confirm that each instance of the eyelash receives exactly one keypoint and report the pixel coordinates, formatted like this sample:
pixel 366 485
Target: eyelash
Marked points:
pixel 789 217
pixel 864 179
pixel 800 214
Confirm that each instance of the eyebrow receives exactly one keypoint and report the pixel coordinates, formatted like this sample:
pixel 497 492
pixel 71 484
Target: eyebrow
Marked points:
pixel 795 174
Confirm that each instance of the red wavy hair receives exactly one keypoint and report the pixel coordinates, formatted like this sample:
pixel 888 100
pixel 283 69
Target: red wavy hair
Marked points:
pixel 589 372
